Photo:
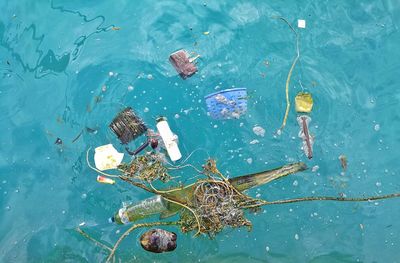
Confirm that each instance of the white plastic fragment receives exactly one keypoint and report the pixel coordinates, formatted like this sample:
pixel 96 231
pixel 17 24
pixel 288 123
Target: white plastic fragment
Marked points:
pixel 301 23
pixel 169 139
pixel 107 157
pixel 258 130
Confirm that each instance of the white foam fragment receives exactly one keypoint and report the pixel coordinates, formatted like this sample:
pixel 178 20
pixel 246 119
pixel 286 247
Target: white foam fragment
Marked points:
pixel 258 130
pixel 301 23
pixel 107 157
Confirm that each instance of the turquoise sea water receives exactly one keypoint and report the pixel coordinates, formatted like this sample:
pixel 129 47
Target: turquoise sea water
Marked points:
pixel 63 68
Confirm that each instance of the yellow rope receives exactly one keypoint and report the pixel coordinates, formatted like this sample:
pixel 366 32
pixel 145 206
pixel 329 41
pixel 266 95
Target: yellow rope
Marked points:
pixel 290 74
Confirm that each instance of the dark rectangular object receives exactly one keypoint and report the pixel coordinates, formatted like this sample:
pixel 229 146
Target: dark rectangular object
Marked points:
pixel 182 63
pixel 127 126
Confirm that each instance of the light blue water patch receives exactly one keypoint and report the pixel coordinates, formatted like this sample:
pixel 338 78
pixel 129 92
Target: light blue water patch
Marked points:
pixel 65 68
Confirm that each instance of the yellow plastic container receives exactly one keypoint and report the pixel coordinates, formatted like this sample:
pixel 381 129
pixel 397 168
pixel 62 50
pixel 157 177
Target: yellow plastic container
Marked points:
pixel 304 102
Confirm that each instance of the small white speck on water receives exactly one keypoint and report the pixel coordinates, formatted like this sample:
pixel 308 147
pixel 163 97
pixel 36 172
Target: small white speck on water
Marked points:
pixel 296 236
pixel 249 161
pixel 130 88
pixel 110 73
pixel 254 142
pixel 295 183
pixel 378 184
pixel 267 248
pixel 377 127
pixel 146 109
pixel 177 116
pixel 150 77
pixel 315 168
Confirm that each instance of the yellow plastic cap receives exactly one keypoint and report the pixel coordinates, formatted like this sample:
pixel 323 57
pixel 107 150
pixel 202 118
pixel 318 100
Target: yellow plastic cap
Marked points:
pixel 304 102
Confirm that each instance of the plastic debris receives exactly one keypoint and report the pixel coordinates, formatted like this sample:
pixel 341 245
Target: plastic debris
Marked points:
pixel 183 63
pixel 170 140
pixel 304 133
pixel 127 126
pixel 145 208
pixel 258 130
pixel 301 23
pixel 227 104
pixel 343 161
pixel 58 141
pixel 158 241
pixel 206 33
pixel 304 102
pixel 107 157
pixel 105 180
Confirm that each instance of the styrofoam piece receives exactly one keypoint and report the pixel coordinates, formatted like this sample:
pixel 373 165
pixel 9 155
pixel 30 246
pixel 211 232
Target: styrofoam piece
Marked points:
pixel 107 157
pixel 169 139
pixel 301 23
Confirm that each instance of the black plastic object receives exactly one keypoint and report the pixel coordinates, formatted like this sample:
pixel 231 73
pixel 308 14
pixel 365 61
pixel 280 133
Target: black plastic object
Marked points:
pixel 127 126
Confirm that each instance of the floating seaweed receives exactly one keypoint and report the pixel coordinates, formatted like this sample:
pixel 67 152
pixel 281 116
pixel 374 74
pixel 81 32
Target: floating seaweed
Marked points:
pixel 147 167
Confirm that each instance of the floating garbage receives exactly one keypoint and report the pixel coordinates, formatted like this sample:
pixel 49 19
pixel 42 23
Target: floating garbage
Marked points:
pixel 301 23
pixel 105 180
pixel 258 130
pixel 58 141
pixel 304 102
pixel 343 161
pixel 227 104
pixel 183 63
pixel 304 134
pixel 158 241
pixel 170 140
pixel 145 208
pixel 127 126
pixel 107 157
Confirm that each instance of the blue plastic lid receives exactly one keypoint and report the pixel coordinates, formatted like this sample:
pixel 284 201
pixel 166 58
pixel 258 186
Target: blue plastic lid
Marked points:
pixel 227 104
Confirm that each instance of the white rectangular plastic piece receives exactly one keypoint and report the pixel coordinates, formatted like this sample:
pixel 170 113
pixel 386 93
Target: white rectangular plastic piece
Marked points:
pixel 107 157
pixel 169 139
pixel 301 23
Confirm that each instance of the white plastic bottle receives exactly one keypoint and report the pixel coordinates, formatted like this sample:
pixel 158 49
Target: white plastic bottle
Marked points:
pixel 169 139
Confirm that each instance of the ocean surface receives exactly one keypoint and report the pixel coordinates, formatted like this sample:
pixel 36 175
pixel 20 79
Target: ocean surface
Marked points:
pixel 66 66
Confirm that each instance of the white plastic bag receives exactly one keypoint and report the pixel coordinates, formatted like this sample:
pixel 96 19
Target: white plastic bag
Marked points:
pixel 107 157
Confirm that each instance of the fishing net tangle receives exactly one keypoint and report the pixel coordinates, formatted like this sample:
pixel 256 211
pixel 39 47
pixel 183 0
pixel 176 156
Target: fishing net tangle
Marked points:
pixel 218 205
